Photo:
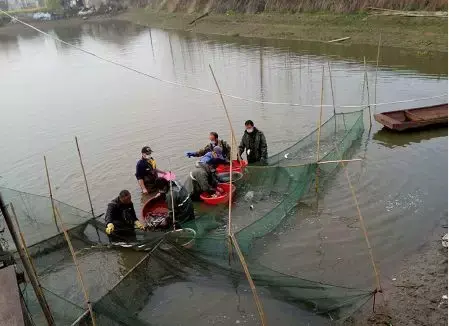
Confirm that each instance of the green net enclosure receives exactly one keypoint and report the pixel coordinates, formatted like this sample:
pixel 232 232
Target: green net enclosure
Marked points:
pixel 157 281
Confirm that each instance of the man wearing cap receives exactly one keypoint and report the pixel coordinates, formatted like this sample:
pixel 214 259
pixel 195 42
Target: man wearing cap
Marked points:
pixel 146 172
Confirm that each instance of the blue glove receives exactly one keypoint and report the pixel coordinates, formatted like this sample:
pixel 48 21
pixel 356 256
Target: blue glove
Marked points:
pixel 190 154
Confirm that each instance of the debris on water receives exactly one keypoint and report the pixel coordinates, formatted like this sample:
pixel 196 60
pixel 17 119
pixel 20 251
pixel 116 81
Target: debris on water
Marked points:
pixel 41 16
pixel 444 241
pixel 251 207
pixel 86 12
pixel 393 279
pixel 444 297
pixel 249 195
pixel 237 321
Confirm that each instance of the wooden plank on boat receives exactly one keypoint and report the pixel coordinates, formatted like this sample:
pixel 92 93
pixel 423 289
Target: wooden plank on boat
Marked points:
pixel 10 307
pixel 414 118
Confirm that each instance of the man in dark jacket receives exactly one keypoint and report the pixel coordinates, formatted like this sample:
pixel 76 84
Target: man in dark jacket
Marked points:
pixel 146 171
pixel 121 218
pixel 178 201
pixel 214 141
pixel 254 144
pixel 203 179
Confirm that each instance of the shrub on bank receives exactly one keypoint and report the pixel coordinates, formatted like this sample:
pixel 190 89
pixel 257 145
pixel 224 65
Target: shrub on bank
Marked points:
pixel 292 6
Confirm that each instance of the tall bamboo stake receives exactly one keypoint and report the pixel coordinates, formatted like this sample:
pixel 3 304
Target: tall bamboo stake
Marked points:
pixel 367 90
pixel 78 270
pixel 27 253
pixel 85 178
pixel 250 281
pixel 51 194
pixel 332 92
pixel 377 68
pixel 232 239
pixel 233 141
pixel 319 131
pixel 225 109
pixel 362 222
pixel 171 194
pixel 26 264
pixel 306 164
pixel 24 246
pixel 230 205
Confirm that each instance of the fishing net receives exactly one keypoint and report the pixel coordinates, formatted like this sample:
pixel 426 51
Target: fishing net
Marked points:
pixel 156 278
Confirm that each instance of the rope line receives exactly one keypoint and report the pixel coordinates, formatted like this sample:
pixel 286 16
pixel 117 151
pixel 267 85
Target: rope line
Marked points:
pixel 203 89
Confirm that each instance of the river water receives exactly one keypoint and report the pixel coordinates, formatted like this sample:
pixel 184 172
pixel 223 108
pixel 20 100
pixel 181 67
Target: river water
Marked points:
pixel 51 93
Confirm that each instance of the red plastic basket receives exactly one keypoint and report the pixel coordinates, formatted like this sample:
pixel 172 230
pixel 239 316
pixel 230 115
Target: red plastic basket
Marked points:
pixel 236 167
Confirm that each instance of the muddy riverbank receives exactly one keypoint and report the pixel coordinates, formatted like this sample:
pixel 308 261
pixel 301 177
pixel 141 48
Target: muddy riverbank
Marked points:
pixel 414 295
pixel 421 33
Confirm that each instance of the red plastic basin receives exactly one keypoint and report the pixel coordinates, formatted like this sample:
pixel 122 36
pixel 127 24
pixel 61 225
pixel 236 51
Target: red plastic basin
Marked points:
pixel 219 199
pixel 236 166
pixel 225 187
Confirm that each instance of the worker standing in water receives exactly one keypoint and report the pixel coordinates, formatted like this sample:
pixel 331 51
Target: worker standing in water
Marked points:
pixel 146 171
pixel 203 177
pixel 178 202
pixel 213 142
pixel 121 219
pixel 254 144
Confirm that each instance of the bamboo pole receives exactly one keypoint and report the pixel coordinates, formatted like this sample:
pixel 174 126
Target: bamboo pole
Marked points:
pixel 24 246
pixel 51 194
pixel 78 270
pixel 319 130
pixel 365 232
pixel 332 87
pixel 305 164
pixel 26 264
pixel 250 281
pixel 332 92
pixel 230 206
pixel 226 111
pixel 85 178
pixel 362 223
pixel 232 239
pixel 375 78
pixel 171 194
pixel 27 253
pixel 367 90
pixel 233 141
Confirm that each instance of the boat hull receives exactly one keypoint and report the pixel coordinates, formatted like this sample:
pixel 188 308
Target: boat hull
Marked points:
pixel 407 119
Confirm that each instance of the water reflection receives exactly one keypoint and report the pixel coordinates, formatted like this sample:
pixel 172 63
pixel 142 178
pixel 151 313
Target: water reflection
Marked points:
pixel 393 139
pixel 390 57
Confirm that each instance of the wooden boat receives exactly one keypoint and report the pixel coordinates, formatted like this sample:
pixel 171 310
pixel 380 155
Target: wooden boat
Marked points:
pixel 413 118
